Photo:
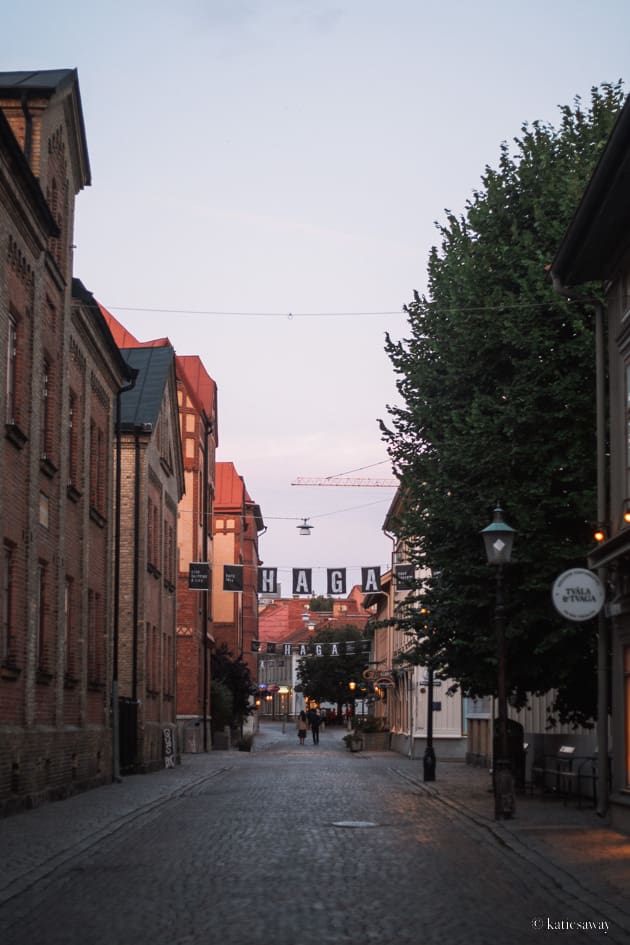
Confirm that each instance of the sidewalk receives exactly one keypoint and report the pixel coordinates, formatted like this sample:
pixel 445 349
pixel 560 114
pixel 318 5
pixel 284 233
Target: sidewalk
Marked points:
pixel 574 847
pixel 36 844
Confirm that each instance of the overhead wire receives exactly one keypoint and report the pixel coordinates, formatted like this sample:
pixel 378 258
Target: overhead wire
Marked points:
pixel 361 314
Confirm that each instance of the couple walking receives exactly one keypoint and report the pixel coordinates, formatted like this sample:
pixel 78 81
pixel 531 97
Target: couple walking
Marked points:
pixel 311 720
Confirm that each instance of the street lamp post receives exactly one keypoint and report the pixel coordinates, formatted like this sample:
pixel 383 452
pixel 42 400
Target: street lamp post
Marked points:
pixel 498 538
pixel 352 687
pixel 428 759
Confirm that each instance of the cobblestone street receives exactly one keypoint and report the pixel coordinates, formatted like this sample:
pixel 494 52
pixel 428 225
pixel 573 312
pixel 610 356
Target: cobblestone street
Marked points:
pixel 310 845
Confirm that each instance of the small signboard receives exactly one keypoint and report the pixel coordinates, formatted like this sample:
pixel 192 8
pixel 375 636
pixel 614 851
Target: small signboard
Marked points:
pixel 169 754
pixel 198 575
pixel 578 594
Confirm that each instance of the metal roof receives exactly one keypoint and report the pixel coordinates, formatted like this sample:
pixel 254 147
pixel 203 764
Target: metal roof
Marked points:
pixel 43 80
pixel 141 405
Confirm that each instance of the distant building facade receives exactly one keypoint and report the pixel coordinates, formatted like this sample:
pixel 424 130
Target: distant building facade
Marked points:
pixel 237 524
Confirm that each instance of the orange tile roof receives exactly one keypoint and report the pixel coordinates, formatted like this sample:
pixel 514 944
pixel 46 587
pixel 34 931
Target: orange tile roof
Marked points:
pixel 124 338
pixel 230 488
pixel 200 386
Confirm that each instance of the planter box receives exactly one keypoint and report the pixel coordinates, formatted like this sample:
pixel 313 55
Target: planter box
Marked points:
pixel 220 741
pixel 354 744
pixel 375 741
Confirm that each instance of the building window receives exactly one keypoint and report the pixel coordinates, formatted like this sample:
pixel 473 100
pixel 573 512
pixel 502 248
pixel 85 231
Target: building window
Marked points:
pixel 7 603
pixel 41 616
pixel 167 663
pixel 44 506
pixel 157 545
pixel 72 440
pixel 67 628
pixel 149 532
pixel 12 343
pixel 44 428
pixel 95 639
pixel 97 468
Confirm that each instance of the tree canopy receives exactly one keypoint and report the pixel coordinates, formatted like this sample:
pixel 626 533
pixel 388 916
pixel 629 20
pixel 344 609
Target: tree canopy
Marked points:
pixel 232 688
pixel 326 678
pixel 497 381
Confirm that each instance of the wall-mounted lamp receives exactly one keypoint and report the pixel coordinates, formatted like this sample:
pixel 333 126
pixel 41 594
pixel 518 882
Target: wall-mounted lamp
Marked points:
pixel 625 515
pixel 600 533
pixel 304 528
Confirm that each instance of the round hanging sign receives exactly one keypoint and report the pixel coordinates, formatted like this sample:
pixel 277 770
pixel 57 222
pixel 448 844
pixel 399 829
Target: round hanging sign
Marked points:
pixel 578 594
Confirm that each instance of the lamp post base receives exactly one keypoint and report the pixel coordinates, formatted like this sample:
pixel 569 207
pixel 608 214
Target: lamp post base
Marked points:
pixel 428 764
pixel 504 799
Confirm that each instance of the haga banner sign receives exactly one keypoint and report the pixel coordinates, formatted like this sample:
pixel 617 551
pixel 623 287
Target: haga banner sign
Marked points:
pixel 341 648
pixel 302 582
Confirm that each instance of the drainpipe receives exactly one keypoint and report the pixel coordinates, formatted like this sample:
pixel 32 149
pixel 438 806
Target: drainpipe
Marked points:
pixel 204 555
pixel 391 607
pixel 602 517
pixel 116 603
pixel 28 129
pixel 136 566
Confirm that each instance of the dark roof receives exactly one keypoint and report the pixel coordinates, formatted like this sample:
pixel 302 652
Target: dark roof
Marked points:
pixel 141 405
pixel 598 236
pixel 85 297
pixel 47 82
pixel 44 80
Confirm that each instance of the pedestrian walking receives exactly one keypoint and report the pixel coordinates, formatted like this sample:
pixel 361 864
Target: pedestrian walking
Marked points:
pixel 314 719
pixel 302 726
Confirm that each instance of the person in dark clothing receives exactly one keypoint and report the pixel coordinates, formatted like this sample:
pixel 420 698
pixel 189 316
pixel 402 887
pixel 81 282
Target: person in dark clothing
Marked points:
pixel 314 720
pixel 302 726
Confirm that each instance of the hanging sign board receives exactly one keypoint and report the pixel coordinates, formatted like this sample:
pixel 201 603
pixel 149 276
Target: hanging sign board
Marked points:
pixel 578 594
pixel 198 573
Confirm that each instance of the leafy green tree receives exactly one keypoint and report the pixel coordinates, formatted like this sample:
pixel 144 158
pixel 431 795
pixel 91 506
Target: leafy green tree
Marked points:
pixel 233 675
pixel 326 678
pixel 222 702
pixel 497 386
pixel 320 604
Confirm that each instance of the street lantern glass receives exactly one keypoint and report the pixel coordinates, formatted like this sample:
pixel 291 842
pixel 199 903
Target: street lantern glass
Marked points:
pixel 498 538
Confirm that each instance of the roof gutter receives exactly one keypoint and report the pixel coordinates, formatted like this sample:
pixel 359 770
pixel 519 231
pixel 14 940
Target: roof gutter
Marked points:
pixel 28 128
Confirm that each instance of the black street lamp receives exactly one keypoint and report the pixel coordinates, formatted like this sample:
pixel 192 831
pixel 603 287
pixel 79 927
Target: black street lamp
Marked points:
pixel 498 538
pixel 428 759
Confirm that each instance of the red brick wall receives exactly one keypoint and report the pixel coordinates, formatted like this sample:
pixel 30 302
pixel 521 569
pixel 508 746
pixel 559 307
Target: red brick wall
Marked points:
pixel 55 734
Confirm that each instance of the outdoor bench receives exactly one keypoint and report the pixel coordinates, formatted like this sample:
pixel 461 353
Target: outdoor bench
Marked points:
pixel 568 773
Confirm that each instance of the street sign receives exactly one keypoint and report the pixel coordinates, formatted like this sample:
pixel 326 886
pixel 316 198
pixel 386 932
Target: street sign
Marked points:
pixel 578 594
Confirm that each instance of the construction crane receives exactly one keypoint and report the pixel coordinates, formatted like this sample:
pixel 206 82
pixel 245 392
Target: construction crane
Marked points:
pixel 345 481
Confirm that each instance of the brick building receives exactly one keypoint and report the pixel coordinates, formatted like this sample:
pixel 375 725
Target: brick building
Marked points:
pixel 152 484
pixel 197 402
pixel 197 396
pixel 61 376
pixel 237 524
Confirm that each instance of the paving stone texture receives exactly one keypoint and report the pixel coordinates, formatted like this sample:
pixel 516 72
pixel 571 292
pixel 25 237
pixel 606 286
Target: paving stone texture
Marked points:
pixel 309 845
